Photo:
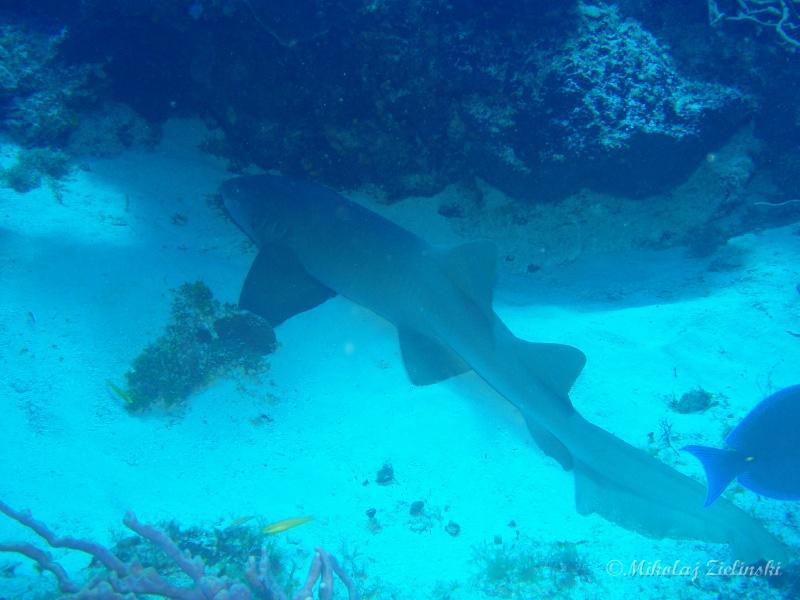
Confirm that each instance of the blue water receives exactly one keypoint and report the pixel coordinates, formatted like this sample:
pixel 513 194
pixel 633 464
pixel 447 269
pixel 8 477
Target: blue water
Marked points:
pixel 634 166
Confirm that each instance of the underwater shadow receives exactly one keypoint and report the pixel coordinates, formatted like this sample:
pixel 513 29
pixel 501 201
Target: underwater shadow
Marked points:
pixel 107 292
pixel 626 279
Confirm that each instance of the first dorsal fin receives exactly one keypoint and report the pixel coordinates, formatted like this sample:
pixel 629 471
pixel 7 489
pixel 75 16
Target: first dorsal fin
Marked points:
pixel 473 268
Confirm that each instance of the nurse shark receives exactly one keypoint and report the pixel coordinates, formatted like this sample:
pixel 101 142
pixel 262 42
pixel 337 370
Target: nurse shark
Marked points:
pixel 314 244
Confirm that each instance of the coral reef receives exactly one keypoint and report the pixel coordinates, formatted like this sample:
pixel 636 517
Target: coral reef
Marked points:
pixel 109 129
pixel 42 96
pixel 622 100
pixel 323 568
pixel 32 166
pixel 121 573
pixel 603 106
pixel 710 41
pixel 537 99
pixel 556 98
pixel 203 340
pixel 782 16
pixel 51 102
pixel 526 568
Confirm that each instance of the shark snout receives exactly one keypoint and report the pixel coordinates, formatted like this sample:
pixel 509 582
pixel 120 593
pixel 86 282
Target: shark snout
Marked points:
pixel 239 205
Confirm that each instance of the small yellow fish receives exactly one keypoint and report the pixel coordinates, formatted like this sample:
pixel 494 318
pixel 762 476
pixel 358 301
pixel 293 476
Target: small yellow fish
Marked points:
pixel 122 394
pixel 241 520
pixel 279 526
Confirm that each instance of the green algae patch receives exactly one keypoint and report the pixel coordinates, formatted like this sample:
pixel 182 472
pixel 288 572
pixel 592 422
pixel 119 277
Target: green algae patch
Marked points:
pixel 204 340
pixel 33 165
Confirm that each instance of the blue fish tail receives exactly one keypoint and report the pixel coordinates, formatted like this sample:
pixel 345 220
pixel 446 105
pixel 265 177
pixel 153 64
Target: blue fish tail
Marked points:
pixel 721 467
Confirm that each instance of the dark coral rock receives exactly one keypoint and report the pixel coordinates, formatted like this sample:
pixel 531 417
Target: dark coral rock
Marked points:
pixel 618 105
pixel 416 508
pixel 44 96
pixel 537 98
pixel 385 475
pixel 697 400
pixel 245 332
pixel 453 528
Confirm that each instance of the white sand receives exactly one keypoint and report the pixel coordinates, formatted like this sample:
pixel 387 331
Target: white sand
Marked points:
pixel 97 277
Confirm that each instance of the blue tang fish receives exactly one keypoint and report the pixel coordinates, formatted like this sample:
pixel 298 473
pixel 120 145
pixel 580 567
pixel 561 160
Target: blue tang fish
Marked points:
pixel 763 450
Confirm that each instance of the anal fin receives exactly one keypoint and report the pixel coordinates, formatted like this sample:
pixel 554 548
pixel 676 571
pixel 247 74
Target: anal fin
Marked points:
pixel 549 444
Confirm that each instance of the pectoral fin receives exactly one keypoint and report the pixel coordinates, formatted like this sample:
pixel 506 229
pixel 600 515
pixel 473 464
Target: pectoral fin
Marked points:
pixel 277 286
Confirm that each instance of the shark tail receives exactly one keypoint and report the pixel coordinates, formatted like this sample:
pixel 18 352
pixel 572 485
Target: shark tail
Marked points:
pixel 624 484
pixel 638 492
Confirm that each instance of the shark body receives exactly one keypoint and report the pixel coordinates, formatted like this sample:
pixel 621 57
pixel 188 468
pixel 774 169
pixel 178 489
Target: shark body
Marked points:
pixel 314 243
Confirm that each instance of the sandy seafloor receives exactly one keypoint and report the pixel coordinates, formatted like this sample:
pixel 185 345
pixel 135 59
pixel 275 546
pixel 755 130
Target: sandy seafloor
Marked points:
pixel 97 277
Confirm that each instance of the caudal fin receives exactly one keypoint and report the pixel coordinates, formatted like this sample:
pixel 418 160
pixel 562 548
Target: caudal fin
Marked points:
pixel 721 467
pixel 631 488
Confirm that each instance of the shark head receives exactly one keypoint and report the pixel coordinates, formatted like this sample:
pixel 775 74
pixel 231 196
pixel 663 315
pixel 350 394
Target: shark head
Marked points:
pixel 244 205
pixel 261 205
